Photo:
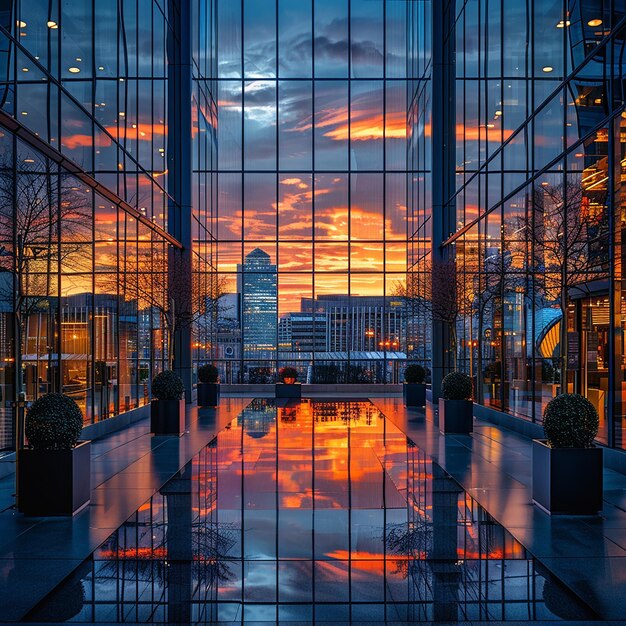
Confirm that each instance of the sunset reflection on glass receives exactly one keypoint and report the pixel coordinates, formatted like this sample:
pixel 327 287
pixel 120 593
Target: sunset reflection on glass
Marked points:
pixel 317 511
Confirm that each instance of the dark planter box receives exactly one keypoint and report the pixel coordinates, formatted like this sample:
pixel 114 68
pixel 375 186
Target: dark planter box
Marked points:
pixel 414 394
pixel 208 394
pixel 456 416
pixel 167 417
pixel 54 482
pixel 289 391
pixel 567 480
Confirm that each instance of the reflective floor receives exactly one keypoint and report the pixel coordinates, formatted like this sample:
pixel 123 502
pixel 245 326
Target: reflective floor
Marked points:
pixel 312 512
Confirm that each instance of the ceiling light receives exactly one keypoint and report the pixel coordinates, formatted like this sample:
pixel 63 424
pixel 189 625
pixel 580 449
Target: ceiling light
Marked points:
pixel 78 59
pixel 21 24
pixel 101 68
pixel 74 70
pixel 498 112
pixel 52 24
pixel 563 24
pixel 547 68
pixel 595 22
pixel 29 160
pixel 24 69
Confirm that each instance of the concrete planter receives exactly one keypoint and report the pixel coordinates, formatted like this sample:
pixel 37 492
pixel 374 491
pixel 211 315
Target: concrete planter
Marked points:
pixel 289 391
pixel 208 394
pixel 567 481
pixel 167 417
pixel 456 416
pixel 414 394
pixel 54 482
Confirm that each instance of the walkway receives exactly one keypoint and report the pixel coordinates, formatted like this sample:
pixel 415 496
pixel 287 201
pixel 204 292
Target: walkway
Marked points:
pixel 588 554
pixel 128 467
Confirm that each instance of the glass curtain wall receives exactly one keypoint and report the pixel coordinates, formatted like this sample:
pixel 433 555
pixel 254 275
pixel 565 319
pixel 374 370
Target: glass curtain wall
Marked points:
pixel 84 201
pixel 536 213
pixel 311 189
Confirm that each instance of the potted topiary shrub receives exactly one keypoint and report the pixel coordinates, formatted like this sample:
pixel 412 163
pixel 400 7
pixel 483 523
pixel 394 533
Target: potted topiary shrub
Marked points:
pixel 54 470
pixel 414 389
pixel 288 387
pixel 567 466
pixel 167 409
pixel 208 385
pixel 456 406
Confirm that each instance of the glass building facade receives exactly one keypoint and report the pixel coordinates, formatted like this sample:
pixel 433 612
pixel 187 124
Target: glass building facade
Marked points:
pixel 518 134
pixel 102 197
pixel 312 171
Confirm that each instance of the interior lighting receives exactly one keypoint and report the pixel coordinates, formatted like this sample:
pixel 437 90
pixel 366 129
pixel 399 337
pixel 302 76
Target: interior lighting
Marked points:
pixel 594 22
pixel 21 24
pixel 547 69
pixel 52 24
pixel 74 70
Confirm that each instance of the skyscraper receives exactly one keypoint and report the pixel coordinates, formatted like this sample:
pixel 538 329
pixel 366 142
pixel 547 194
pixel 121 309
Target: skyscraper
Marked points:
pixel 258 289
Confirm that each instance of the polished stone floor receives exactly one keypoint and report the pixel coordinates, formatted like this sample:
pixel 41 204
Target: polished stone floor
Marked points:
pixel 128 467
pixel 493 465
pixel 320 511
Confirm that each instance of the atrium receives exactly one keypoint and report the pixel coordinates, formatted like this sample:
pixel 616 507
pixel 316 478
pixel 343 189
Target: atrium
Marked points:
pixel 311 311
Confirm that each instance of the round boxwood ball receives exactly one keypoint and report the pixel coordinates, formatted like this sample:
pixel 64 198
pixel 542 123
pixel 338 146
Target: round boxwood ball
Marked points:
pixel 414 373
pixel 570 421
pixel 456 386
pixel 168 385
pixel 208 373
pixel 53 422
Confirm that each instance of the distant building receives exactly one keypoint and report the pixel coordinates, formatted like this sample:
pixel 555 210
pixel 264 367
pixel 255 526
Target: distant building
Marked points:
pixel 302 332
pixel 257 285
pixel 360 323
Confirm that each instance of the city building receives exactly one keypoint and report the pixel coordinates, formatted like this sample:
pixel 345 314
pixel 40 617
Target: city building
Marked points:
pixel 302 332
pixel 257 288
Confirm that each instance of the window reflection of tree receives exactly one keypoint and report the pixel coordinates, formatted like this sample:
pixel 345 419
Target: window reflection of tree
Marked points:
pixel 45 230
pixel 177 533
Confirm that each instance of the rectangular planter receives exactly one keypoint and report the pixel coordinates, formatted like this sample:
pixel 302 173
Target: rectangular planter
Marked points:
pixel 208 394
pixel 456 416
pixel 414 394
pixel 567 481
pixel 289 391
pixel 167 417
pixel 54 482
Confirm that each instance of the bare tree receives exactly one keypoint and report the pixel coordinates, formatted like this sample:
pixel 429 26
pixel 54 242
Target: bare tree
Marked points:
pixel 161 282
pixel 438 293
pixel 569 239
pixel 45 224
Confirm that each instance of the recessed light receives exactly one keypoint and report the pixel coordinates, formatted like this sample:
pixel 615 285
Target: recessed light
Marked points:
pixel 563 24
pixel 122 114
pixel 21 24
pixel 52 24
pixel 547 68
pixel 78 59
pixel 74 70
pixel 29 160
pixel 24 69
pixel 101 68
pixel 24 112
pixel 498 112
pixel 595 22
